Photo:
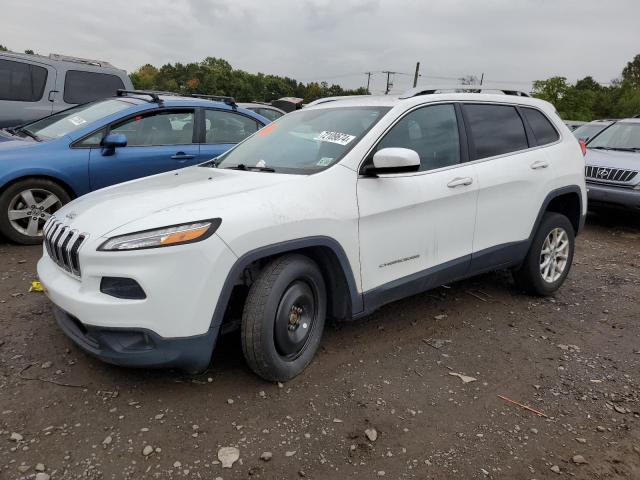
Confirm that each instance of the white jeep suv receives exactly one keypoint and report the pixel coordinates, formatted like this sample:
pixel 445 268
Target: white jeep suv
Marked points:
pixel 329 212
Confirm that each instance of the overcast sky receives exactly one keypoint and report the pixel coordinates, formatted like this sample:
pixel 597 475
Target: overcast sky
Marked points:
pixel 513 41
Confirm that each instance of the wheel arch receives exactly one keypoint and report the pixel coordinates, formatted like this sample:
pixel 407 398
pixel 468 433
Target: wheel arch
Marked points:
pixel 566 201
pixel 343 296
pixel 40 176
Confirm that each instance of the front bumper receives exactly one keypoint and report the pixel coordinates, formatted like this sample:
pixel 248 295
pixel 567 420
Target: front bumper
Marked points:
pixel 170 327
pixel 138 347
pixel 613 196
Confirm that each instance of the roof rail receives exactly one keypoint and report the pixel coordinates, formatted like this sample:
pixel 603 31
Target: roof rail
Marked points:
pixel 86 61
pixel 429 90
pixel 216 98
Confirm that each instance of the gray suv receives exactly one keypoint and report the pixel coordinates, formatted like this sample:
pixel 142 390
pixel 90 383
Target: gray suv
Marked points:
pixel 613 166
pixel 34 86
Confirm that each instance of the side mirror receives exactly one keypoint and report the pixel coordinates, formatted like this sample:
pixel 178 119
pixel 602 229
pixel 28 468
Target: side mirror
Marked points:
pixel 113 141
pixel 394 160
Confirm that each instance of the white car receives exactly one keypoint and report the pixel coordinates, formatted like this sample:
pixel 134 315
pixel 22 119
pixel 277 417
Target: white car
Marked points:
pixel 329 212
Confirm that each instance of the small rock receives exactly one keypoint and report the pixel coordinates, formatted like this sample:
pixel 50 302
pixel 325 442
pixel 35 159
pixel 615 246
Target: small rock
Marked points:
pixel 581 440
pixel 534 431
pixel 46 365
pixel 42 476
pixel 555 469
pixel 266 456
pixel 381 473
pixel 280 385
pixel 337 420
pixel 464 378
pixel 228 456
pixel 40 467
pixel 23 468
pixel 372 434
pixel 290 454
pixel 16 437
pixel 440 317
pixel 159 416
pixel 177 464
pixel 147 450
pixel 578 460
pixel 619 409
pixel 107 441
pixel 262 393
pixel 230 401
pixel 600 428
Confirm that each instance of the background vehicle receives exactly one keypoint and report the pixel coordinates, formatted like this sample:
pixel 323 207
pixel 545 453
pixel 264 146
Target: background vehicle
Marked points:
pixel 46 163
pixel 613 166
pixel 331 212
pixel 266 110
pixel 573 124
pixel 34 86
pixel 591 129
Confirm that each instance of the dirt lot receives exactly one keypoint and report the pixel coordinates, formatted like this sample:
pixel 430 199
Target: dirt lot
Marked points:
pixel 574 357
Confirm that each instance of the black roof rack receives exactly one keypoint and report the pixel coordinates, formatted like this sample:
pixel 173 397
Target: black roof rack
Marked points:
pixel 155 96
pixel 216 98
pixel 428 90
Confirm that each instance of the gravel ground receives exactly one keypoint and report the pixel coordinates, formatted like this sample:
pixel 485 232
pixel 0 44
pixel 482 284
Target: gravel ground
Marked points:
pixel 380 399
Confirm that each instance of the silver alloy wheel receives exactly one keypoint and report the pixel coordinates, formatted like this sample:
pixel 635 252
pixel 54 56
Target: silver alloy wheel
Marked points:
pixel 29 209
pixel 554 254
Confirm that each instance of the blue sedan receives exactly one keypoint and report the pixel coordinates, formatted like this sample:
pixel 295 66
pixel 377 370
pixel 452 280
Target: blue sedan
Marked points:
pixel 45 164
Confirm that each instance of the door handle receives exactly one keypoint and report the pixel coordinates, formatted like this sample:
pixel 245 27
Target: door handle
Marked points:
pixel 460 182
pixel 538 164
pixel 52 95
pixel 182 156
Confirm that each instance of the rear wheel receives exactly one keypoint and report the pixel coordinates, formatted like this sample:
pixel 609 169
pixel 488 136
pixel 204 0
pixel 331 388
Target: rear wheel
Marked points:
pixel 26 205
pixel 549 259
pixel 284 317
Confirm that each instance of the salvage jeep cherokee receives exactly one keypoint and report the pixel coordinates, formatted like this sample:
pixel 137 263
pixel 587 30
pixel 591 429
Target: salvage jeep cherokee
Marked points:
pixel 330 212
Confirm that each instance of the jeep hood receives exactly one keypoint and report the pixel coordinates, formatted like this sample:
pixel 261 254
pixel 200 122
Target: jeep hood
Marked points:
pixel 180 196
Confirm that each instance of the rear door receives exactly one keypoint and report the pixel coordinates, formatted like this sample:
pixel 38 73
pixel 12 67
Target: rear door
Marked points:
pixel 158 141
pixel 25 88
pixel 416 224
pixel 513 176
pixel 222 130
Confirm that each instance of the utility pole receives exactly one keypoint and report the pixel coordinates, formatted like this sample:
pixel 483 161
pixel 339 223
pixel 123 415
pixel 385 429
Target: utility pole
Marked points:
pixel 481 78
pixel 368 74
pixel 417 74
pixel 389 84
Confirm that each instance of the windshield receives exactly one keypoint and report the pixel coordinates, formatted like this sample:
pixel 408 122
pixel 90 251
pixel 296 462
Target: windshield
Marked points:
pixel 304 142
pixel 621 136
pixel 67 121
pixel 585 132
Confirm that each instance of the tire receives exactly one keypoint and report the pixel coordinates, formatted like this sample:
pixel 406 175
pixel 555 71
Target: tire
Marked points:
pixel 19 221
pixel 284 317
pixel 538 276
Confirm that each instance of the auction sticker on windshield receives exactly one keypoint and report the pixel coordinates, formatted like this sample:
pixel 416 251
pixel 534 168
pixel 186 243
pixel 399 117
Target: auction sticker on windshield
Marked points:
pixel 335 137
pixel 77 120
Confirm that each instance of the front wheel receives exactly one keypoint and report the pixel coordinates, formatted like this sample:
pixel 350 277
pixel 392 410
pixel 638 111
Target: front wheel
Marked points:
pixel 26 205
pixel 550 256
pixel 284 317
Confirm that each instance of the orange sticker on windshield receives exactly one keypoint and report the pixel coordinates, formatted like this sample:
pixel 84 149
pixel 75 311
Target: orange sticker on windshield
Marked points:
pixel 268 129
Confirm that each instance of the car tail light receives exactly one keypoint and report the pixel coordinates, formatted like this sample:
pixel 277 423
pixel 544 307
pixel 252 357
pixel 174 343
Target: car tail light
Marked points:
pixel 583 146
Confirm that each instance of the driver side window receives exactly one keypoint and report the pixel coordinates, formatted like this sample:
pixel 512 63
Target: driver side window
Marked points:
pixel 432 132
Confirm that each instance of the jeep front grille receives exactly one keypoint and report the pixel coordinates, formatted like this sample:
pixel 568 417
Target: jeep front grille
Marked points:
pixel 63 244
pixel 616 175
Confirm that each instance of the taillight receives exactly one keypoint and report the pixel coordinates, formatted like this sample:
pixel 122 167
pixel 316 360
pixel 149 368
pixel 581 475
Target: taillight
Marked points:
pixel 583 146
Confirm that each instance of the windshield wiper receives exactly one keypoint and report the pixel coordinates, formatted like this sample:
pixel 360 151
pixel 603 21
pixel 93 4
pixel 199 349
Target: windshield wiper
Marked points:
pixel 29 134
pixel 242 166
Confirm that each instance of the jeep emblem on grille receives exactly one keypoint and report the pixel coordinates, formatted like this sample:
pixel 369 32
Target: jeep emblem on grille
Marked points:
pixel 603 172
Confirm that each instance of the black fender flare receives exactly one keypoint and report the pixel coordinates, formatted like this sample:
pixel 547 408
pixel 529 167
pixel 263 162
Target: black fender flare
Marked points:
pixel 245 260
pixel 545 204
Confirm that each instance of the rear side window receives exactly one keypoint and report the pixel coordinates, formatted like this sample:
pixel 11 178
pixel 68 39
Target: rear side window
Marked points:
pixel 495 129
pixel 542 128
pixel 83 87
pixel 227 127
pixel 269 113
pixel 21 82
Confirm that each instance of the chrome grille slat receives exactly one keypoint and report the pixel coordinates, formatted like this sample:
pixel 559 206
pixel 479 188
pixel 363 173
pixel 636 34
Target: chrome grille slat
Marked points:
pixel 607 174
pixel 62 244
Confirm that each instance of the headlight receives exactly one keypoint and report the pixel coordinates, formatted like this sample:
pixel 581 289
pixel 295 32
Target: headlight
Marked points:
pixel 162 237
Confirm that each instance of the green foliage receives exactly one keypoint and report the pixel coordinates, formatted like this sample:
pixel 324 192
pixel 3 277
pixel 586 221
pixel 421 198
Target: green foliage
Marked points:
pixel 29 52
pixel 215 76
pixel 3 48
pixel 588 100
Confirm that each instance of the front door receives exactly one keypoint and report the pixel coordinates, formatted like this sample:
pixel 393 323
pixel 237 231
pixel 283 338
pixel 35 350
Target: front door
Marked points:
pixel 417 228
pixel 157 142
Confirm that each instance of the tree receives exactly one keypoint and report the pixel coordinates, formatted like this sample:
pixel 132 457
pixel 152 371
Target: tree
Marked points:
pixel 551 90
pixel 29 52
pixel 631 73
pixel 587 83
pixel 3 48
